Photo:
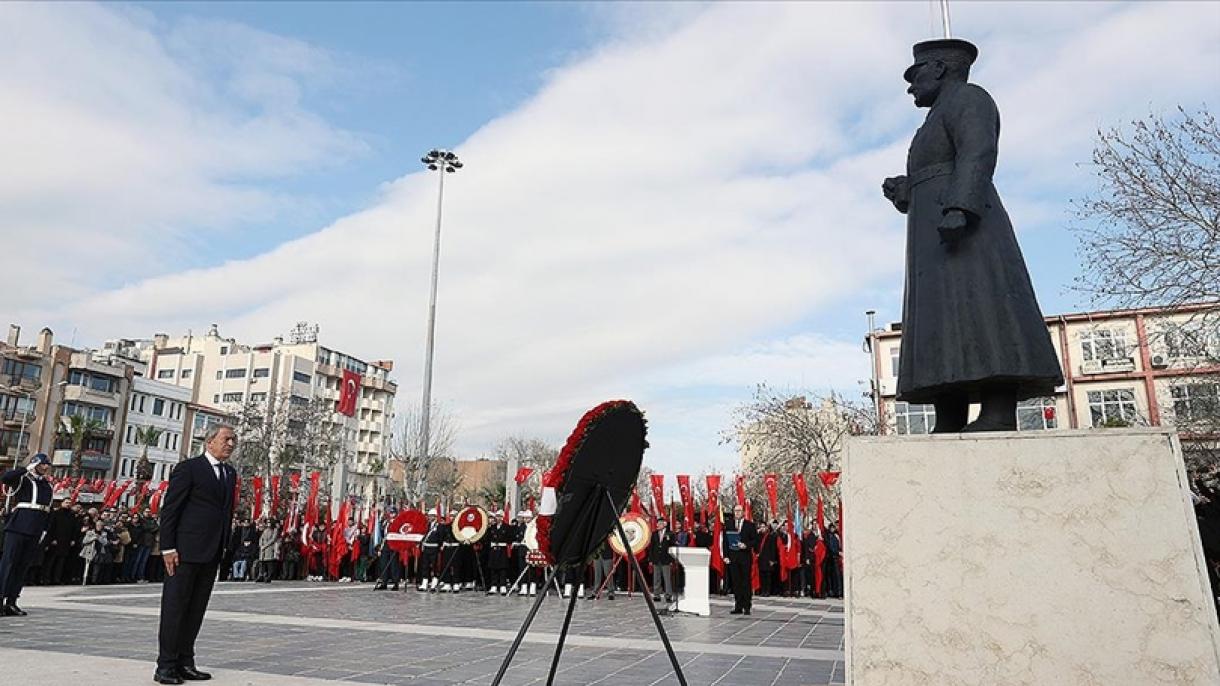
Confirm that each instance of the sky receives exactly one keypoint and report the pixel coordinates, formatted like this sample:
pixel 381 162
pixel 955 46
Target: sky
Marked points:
pixel 669 203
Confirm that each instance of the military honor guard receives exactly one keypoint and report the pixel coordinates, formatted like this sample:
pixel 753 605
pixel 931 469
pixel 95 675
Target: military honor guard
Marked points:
pixel 498 538
pixel 23 531
pixel 430 549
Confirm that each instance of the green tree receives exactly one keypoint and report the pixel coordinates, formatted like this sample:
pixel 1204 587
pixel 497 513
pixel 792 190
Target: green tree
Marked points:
pixel 146 437
pixel 77 431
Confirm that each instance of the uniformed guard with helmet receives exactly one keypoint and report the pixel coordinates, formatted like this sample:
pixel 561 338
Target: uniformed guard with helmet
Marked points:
pixel 429 550
pixel 29 513
pixel 498 537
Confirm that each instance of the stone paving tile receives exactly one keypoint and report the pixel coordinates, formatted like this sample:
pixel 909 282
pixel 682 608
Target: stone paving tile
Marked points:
pixel 84 627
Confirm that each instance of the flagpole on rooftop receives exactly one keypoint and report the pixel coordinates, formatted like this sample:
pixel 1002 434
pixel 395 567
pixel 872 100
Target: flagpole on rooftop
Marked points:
pixel 445 162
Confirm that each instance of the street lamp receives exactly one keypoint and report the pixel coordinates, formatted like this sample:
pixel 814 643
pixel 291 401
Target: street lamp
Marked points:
pixel 446 162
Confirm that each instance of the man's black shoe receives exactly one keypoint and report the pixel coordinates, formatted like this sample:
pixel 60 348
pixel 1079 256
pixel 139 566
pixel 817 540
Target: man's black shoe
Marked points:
pixel 379 587
pixel 5 612
pixel 192 674
pixel 747 610
pixel 735 612
pixel 16 611
pixel 394 587
pixel 166 676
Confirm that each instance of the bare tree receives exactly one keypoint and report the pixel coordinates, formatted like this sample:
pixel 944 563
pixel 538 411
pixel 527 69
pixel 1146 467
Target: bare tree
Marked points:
pixel 787 432
pixel 1150 234
pixel 420 474
pixel 534 453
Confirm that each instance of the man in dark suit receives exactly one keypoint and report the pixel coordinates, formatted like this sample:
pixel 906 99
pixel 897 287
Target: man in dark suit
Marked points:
pixel 195 521
pixel 662 561
pixel 24 528
pixel 740 554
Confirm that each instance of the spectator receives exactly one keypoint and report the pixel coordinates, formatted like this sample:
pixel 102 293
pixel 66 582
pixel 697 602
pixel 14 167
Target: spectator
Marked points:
pixel 291 549
pixel 149 532
pixel 245 553
pixel 268 551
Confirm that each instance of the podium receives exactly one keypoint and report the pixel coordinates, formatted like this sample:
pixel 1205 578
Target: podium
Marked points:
pixel 694 562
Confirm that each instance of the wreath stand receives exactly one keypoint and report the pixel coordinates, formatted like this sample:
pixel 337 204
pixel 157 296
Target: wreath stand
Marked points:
pixel 589 510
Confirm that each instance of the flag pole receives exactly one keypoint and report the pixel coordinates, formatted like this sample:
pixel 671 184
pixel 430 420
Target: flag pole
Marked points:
pixel 944 17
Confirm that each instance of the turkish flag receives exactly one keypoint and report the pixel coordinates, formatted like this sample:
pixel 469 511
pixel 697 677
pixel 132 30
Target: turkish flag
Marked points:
pixel 741 498
pixel 828 479
pixel 771 481
pixel 688 504
pixel 658 494
pixel 802 490
pixel 523 473
pixel 349 393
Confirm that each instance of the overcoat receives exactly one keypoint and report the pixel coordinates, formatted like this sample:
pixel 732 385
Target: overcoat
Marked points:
pixel 969 315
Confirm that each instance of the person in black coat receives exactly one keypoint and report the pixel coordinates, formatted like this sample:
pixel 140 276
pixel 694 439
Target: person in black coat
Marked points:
pixel 834 580
pixel 497 539
pixel 768 558
pixel 195 521
pixel 61 542
pixel 809 546
pixel 23 529
pixel 662 561
pixel 740 539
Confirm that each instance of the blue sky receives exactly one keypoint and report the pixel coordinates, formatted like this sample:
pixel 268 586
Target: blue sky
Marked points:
pixel 668 202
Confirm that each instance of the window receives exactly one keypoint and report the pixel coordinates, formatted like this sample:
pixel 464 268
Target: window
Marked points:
pixel 894 355
pixel 232 397
pixel 301 377
pixel 105 384
pixel 13 406
pixel 258 397
pixel 102 414
pixel 1196 402
pixel 219 375
pixel 133 403
pixel 216 398
pixel 186 373
pixel 914 419
pixel 17 369
pixel 158 406
pixel 1036 414
pixel 142 397
pixel 262 372
pixel 1104 344
pixel 235 374
pixel 224 350
pixel 128 439
pixel 1189 340
pixel 298 400
pixel 14 439
pixel 1112 408
pixel 165 374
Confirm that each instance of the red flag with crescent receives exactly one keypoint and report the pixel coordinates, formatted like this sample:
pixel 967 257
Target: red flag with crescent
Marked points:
pixel 741 497
pixel 635 502
pixel 155 504
pixel 349 393
pixel 523 473
pixel 828 479
pixel 275 495
pixel 771 481
pixel 802 490
pixel 688 505
pixel 713 497
pixel 311 505
pixel 658 493
pixel 257 485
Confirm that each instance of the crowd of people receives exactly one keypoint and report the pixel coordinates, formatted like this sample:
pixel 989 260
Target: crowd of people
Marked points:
pixel 97 546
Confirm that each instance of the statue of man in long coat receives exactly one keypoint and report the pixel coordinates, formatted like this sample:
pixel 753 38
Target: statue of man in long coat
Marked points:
pixel 971 327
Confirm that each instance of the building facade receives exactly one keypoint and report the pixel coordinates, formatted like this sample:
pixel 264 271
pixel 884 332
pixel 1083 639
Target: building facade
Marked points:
pixel 160 412
pixel 1148 367
pixel 221 375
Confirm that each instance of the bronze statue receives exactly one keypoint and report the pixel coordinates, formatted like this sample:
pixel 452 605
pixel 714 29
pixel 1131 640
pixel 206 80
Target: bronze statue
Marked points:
pixel 971 327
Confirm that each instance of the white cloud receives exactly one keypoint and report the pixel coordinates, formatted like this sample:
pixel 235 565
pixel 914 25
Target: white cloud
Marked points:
pixel 655 218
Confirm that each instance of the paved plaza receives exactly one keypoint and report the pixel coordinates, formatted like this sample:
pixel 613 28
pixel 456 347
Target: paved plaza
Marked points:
pixel 303 634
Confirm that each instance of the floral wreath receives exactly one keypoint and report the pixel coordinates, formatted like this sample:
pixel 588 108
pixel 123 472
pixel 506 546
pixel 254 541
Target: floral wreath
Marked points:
pixel 556 477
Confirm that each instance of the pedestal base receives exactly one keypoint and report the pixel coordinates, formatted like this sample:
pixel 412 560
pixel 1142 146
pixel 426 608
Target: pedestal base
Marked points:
pixel 1069 557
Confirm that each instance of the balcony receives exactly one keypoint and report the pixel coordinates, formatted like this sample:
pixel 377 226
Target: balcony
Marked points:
pixel 15 417
pixel 18 382
pixel 87 394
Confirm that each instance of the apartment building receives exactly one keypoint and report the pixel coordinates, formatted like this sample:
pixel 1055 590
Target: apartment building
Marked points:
pixel 160 411
pixel 220 374
pixel 1151 367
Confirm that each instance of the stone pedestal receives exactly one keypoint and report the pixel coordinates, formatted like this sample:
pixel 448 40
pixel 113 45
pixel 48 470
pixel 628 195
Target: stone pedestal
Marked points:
pixel 1065 557
pixel 694 562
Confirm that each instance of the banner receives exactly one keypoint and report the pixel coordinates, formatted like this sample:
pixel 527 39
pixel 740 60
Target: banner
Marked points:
pixel 275 496
pixel 349 393
pixel 802 490
pixel 636 508
pixel 741 496
pixel 821 517
pixel 713 497
pixel 155 505
pixel 688 503
pixel 257 487
pixel 717 561
pixel 523 473
pixel 311 505
pixel 658 494
pixel 828 479
pixel 771 481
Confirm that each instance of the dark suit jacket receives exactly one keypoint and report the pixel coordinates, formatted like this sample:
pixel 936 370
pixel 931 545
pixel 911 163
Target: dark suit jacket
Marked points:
pixel 749 536
pixel 197 514
pixel 658 548
pixel 27 490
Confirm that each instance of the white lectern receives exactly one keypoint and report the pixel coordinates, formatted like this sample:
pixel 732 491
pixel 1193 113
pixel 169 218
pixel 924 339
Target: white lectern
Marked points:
pixel 694 561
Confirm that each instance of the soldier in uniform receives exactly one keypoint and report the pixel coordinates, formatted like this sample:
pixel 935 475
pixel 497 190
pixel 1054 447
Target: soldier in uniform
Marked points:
pixel 430 548
pixel 497 539
pixel 450 551
pixel 23 531
pixel 529 582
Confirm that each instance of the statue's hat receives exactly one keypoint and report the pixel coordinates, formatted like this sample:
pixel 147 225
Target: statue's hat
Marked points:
pixel 943 49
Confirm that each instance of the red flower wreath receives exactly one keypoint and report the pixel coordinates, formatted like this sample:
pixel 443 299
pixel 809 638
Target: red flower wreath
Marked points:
pixel 556 476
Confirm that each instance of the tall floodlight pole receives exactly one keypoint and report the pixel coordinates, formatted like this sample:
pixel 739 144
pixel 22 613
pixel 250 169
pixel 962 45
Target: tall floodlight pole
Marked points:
pixel 444 162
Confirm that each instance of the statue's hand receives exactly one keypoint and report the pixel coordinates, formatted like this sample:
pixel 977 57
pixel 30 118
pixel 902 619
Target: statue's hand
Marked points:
pixel 896 191
pixel 952 228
